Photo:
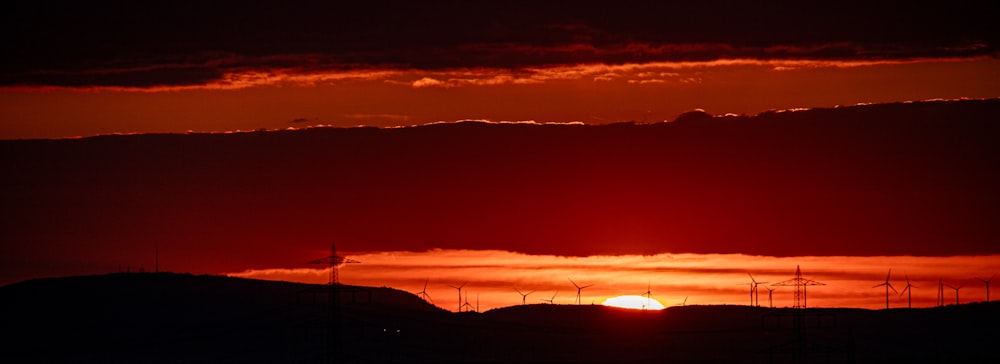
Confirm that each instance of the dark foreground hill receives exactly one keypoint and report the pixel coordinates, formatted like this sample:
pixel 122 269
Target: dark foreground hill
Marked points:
pixel 161 318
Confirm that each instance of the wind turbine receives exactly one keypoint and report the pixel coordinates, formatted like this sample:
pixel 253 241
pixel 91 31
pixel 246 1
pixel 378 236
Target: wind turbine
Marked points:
pixel 987 282
pixel 956 290
pixel 424 294
pixel 909 292
pixel 459 288
pixel 466 304
pixel 578 289
pixel 887 287
pixel 770 296
pixel 649 295
pixel 524 296
pixel 940 296
pixel 550 299
pixel 753 291
pixel 684 303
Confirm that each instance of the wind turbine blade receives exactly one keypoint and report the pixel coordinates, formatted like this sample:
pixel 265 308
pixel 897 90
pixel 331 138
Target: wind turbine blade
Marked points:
pixel 891 287
pixel 574 283
pixel 888 274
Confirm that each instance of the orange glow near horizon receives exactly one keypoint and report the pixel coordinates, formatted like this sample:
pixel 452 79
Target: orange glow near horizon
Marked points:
pixel 673 279
pixel 588 93
pixel 634 302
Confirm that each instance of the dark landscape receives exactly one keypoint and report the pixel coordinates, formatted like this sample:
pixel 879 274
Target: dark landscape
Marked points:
pixel 171 173
pixel 175 318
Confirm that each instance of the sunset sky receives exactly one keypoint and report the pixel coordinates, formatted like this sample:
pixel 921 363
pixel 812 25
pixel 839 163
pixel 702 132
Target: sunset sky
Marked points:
pixel 511 201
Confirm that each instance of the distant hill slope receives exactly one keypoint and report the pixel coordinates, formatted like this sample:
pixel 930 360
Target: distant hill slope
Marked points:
pixel 167 318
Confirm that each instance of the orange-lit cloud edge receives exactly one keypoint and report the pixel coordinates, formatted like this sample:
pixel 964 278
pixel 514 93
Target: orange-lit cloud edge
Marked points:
pixel 637 73
pixel 494 276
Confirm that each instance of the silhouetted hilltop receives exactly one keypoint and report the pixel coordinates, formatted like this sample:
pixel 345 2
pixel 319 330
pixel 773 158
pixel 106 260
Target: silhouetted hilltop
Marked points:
pixel 163 317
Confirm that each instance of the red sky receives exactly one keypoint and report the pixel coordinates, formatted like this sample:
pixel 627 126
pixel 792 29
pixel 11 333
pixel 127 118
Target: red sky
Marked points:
pixel 906 179
pixel 100 68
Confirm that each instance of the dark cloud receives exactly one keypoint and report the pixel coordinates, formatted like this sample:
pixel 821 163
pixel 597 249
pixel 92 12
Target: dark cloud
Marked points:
pixel 899 179
pixel 171 43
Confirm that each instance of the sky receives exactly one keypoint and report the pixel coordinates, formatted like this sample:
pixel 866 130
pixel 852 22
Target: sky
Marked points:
pixel 563 152
pixel 107 67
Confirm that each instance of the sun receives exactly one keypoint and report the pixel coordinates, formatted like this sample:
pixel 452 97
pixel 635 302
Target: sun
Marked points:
pixel 634 302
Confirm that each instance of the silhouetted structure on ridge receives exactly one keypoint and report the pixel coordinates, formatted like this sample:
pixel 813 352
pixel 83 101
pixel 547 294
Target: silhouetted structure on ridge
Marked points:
pixel 524 296
pixel 423 293
pixel 800 285
pixel 798 347
pixel 940 294
pixel 648 294
pixel 909 292
pixel 459 288
pixel 334 350
pixel 550 299
pixel 754 296
pixel 467 306
pixel 888 286
pixel 956 291
pixel 987 283
pixel 578 289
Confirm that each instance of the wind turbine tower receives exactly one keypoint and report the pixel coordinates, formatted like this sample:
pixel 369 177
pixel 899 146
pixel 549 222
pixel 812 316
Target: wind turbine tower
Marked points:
pixel 909 292
pixel 940 295
pixel 800 285
pixel 467 305
pixel 578 289
pixel 524 296
pixel 550 299
pixel 987 282
pixel 754 296
pixel 424 295
pixel 887 287
pixel 459 288
pixel 956 291
pixel 649 295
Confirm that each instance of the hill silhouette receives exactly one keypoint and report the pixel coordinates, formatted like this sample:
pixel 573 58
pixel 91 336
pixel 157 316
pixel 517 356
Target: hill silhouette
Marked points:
pixel 166 317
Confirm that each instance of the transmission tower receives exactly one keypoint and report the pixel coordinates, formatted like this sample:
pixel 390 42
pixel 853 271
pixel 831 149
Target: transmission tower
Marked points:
pixel 334 352
pixel 800 285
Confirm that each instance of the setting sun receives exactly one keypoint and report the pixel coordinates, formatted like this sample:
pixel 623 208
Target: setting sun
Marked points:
pixel 634 302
